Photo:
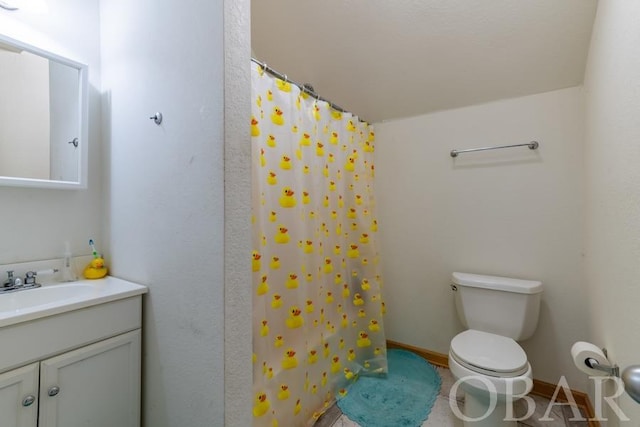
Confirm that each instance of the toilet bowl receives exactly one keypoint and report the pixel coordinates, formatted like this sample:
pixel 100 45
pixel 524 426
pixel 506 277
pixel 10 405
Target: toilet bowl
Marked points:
pixel 493 372
pixel 485 360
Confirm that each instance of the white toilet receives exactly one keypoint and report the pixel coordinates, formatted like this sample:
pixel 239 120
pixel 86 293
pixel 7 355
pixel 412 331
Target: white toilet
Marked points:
pixel 489 365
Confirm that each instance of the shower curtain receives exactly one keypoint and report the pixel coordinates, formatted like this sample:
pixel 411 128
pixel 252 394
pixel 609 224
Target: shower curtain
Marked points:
pixel 317 306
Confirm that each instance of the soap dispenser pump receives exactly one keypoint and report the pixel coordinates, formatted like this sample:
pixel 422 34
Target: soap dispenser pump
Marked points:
pixel 68 273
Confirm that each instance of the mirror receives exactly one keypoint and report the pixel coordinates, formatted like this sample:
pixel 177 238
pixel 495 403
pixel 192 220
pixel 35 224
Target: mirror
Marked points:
pixel 43 118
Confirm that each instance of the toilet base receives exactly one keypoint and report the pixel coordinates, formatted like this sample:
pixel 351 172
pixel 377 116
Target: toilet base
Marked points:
pixel 480 389
pixel 476 406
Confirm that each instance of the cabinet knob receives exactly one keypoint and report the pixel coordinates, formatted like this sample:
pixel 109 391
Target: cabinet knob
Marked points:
pixel 28 401
pixel 53 391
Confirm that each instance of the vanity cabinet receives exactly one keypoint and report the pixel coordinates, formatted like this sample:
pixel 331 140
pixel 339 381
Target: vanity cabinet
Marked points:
pixel 73 369
pixel 18 392
pixel 97 385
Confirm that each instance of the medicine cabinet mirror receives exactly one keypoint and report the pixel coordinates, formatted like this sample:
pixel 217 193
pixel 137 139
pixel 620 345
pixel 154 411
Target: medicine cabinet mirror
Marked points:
pixel 43 118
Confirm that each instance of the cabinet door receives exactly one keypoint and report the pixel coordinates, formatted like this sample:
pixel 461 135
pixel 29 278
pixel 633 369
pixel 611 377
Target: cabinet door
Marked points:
pixel 18 397
pixel 97 385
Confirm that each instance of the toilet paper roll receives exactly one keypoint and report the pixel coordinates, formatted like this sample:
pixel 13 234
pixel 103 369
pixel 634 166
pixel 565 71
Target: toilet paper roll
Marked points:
pixel 581 351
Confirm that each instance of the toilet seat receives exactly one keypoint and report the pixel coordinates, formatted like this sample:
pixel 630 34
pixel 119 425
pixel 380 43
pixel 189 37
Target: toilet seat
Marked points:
pixel 489 354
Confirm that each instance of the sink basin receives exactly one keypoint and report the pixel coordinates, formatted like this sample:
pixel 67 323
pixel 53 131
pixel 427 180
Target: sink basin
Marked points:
pixel 31 298
pixel 52 299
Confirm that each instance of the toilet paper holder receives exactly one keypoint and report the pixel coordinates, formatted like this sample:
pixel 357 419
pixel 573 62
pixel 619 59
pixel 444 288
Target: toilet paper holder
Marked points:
pixel 594 364
pixel 630 376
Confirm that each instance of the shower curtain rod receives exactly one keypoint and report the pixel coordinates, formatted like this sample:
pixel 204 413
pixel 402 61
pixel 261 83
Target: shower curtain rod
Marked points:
pixel 303 87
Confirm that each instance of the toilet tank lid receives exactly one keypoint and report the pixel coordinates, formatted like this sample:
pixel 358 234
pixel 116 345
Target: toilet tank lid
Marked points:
pixel 497 283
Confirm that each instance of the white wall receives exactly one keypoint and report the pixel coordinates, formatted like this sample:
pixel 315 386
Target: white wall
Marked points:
pixel 613 181
pixel 34 223
pixel 515 213
pixel 166 195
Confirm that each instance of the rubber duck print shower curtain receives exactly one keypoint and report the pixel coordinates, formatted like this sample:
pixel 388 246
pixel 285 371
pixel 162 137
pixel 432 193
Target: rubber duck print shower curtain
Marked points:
pixel 317 306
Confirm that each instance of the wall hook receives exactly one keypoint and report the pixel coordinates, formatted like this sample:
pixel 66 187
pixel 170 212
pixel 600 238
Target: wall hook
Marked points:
pixel 157 118
pixel 74 142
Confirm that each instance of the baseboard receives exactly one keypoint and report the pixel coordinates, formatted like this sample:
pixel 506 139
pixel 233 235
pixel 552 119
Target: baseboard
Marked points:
pixel 590 412
pixel 432 357
pixel 540 388
pixel 546 390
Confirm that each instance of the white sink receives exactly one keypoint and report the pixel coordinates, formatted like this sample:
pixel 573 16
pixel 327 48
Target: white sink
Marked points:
pixel 32 298
pixel 29 304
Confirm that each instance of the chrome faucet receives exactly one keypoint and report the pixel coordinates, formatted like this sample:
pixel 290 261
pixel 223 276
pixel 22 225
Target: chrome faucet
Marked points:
pixel 16 283
pixel 12 282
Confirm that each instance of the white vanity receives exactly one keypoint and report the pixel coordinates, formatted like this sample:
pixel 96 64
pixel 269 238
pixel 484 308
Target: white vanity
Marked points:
pixel 69 352
pixel 70 355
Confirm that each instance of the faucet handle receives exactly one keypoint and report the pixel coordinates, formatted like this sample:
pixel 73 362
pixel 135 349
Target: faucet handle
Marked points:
pixel 9 282
pixel 30 277
pixel 12 282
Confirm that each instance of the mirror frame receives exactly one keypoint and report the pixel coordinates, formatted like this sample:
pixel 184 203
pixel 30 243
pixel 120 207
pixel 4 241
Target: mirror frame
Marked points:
pixel 83 113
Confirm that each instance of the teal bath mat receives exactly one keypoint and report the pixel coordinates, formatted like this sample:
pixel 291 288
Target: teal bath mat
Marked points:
pixel 403 398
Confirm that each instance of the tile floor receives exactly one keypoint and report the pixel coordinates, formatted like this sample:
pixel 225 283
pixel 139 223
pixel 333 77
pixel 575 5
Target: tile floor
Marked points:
pixel 442 416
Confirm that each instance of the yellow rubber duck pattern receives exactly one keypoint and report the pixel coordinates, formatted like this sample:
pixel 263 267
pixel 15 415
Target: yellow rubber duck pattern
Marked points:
pixel 317 286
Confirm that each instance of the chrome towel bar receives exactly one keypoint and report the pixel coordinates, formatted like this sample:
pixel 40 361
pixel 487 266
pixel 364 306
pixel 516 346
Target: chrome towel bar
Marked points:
pixel 532 146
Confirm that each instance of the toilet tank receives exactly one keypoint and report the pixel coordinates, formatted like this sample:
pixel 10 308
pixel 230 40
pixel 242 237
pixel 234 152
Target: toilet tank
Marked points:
pixel 500 305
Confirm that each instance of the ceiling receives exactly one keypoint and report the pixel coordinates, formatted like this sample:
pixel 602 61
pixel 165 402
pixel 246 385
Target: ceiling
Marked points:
pixel 386 59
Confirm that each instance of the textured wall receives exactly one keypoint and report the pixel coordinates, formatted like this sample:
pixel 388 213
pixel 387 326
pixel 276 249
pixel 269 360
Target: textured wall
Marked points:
pixel 515 213
pixel 237 243
pixel 34 223
pixel 613 178
pixel 166 195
